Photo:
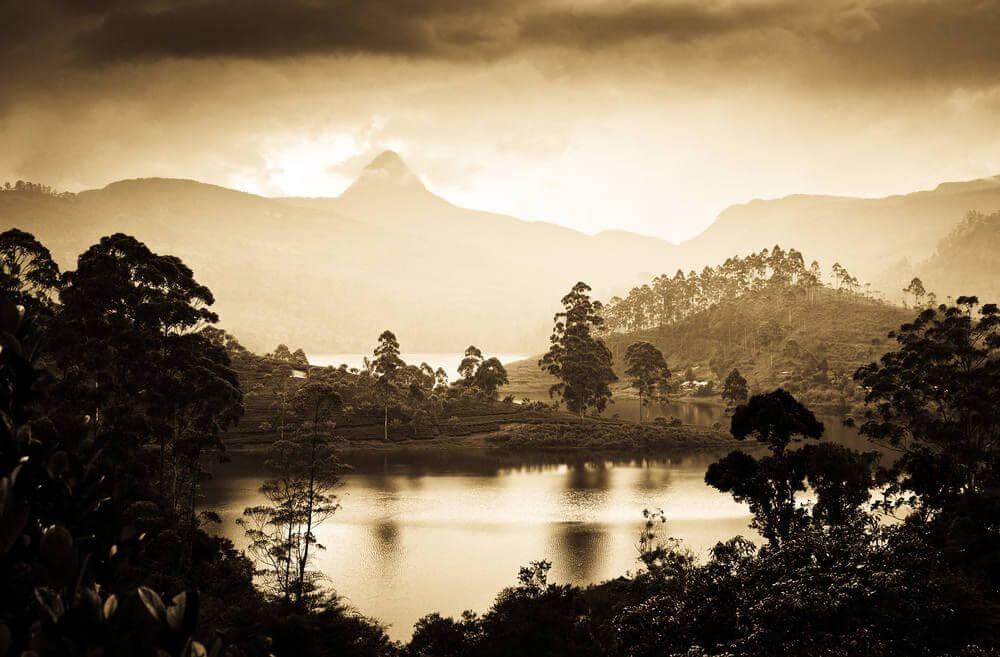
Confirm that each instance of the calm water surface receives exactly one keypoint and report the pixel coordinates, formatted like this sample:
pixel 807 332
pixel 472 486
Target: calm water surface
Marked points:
pixel 431 531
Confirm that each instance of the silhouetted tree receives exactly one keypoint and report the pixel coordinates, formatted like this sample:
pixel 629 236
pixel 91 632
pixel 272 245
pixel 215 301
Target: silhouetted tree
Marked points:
pixel 934 398
pixel 647 369
pixel 768 485
pixel 490 375
pixel 28 275
pixel 470 363
pixel 305 469
pixel 916 288
pixel 385 365
pixel 734 390
pixel 580 361
pixel 129 347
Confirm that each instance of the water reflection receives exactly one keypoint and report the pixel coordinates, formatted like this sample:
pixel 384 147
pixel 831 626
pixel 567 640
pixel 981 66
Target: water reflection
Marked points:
pixel 578 548
pixel 425 530
pixel 591 476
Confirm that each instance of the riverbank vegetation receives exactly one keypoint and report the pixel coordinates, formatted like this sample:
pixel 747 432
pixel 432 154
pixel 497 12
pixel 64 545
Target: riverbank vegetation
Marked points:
pixel 116 390
pixel 607 435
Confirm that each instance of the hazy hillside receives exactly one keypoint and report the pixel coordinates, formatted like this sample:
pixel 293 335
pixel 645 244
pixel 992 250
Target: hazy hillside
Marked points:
pixel 967 261
pixel 865 235
pixel 329 274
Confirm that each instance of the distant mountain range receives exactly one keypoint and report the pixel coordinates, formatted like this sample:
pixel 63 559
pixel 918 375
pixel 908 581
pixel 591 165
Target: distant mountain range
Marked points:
pixel 329 274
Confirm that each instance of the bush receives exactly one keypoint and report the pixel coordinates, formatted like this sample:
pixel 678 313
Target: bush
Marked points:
pixel 605 435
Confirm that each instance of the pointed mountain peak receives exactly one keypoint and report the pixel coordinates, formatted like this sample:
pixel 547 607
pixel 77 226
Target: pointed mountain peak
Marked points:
pixel 388 160
pixel 386 174
pixel 388 166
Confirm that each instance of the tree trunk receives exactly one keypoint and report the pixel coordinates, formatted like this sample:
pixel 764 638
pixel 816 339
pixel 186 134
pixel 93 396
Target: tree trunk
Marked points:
pixel 309 511
pixel 385 424
pixel 640 406
pixel 287 585
pixel 193 495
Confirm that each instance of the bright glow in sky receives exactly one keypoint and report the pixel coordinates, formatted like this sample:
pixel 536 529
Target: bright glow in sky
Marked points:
pixel 649 116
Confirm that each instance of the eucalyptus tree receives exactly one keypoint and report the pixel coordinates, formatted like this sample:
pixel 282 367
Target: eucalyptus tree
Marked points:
pixel 916 288
pixel 647 370
pixel 470 362
pixel 384 367
pixel 580 361
pixel 768 485
pixel 490 375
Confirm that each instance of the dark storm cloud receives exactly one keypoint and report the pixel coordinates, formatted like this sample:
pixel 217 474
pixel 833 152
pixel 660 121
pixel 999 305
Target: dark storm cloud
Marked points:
pixel 268 29
pixel 908 38
pixel 612 25
pixel 843 41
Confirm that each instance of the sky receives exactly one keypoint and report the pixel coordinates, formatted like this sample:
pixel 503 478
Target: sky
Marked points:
pixel 598 114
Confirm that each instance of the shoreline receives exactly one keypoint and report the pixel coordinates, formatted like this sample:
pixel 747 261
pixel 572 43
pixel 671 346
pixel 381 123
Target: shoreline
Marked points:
pixel 688 437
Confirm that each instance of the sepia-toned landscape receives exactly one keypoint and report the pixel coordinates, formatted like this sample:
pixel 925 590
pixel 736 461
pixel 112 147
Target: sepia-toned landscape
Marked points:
pixel 443 329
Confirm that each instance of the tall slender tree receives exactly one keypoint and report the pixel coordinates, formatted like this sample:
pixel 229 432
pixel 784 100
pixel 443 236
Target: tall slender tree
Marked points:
pixel 581 361
pixel 387 362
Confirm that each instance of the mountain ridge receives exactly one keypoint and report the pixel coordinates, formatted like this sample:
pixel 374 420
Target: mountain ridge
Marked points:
pixel 330 273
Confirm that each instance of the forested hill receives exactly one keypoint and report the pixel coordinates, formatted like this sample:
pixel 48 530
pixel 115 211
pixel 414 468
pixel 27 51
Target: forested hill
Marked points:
pixel 768 315
pixel 967 260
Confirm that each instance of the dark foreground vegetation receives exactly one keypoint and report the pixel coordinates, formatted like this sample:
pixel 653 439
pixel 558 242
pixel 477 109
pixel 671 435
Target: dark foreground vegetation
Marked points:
pixel 115 389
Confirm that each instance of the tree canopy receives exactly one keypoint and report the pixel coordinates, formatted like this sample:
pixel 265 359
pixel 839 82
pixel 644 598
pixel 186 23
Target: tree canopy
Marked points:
pixel 934 399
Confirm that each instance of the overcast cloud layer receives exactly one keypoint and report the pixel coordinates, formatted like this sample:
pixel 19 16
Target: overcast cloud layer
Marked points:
pixel 649 116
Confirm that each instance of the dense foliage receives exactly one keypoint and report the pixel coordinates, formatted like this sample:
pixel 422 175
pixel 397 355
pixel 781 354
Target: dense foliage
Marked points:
pixel 766 315
pixel 670 299
pixel 110 402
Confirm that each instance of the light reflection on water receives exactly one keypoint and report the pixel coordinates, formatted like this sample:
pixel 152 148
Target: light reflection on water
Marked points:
pixel 424 531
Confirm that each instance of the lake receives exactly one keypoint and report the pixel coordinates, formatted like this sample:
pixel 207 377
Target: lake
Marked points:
pixel 424 531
